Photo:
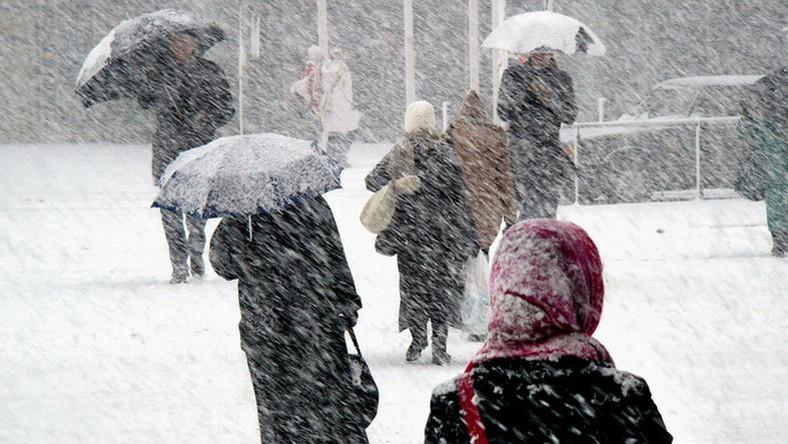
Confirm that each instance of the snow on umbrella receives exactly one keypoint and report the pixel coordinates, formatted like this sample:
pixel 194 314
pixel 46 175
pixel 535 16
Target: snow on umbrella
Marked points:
pixel 544 29
pixel 246 175
pixel 118 65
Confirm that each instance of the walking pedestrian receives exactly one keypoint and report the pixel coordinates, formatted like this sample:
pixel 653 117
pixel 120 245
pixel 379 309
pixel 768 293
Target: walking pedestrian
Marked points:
pixel 536 97
pixel 764 125
pixel 338 117
pixel 297 299
pixel 431 233
pixel 191 99
pixel 541 376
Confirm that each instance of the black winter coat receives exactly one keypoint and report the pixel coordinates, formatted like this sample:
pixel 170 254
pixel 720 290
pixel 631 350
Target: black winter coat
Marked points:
pixel 191 102
pixel 540 169
pixel 527 115
pixel 566 401
pixel 431 233
pixel 296 295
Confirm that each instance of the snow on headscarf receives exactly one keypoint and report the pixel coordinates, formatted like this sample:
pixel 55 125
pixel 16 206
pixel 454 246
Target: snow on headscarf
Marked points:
pixel 546 292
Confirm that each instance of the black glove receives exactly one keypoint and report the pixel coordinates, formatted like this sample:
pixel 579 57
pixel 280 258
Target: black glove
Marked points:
pixel 349 318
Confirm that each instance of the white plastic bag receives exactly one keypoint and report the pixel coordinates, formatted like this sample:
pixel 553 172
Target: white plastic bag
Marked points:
pixel 476 303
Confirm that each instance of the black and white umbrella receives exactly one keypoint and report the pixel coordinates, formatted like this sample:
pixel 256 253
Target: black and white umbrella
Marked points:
pixel 246 175
pixel 119 65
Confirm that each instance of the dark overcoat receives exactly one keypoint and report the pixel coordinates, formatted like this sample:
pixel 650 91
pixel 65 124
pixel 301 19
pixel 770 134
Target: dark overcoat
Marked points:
pixel 191 101
pixel 431 233
pixel 540 169
pixel 568 401
pixel 296 295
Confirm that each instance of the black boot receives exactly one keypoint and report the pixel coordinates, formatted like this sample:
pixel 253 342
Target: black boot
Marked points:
pixel 417 344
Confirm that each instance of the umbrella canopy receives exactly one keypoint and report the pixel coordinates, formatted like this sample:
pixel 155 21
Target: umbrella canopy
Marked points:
pixel 544 29
pixel 118 65
pixel 246 175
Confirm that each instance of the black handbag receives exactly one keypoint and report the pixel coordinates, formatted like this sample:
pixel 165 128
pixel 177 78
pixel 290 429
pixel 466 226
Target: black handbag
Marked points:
pixel 364 395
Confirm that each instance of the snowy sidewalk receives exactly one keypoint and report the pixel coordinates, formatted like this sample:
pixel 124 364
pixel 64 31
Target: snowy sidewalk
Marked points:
pixel 96 347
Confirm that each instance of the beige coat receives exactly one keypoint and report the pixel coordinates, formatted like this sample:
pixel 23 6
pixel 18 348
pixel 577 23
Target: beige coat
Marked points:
pixel 484 153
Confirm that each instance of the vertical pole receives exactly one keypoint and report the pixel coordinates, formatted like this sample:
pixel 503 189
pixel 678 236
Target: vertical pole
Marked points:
pixel 241 57
pixel 601 109
pixel 410 54
pixel 474 55
pixel 498 16
pixel 549 5
pixel 577 165
pixel 698 178
pixel 322 24
pixel 445 114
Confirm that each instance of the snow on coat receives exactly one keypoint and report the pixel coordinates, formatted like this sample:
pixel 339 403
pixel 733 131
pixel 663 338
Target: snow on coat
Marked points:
pixel 431 231
pixel 540 376
pixel 191 101
pixel 295 293
pixel 535 102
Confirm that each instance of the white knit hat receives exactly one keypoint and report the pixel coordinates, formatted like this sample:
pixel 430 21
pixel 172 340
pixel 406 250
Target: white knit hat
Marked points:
pixel 420 116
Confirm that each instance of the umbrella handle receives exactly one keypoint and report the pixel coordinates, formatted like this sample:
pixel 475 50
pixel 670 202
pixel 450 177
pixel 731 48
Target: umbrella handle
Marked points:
pixel 250 227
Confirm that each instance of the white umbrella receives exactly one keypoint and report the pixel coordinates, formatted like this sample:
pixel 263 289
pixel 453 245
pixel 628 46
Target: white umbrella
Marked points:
pixel 246 175
pixel 544 29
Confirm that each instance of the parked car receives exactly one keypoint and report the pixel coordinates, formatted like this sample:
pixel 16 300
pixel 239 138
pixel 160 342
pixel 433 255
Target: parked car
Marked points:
pixel 649 153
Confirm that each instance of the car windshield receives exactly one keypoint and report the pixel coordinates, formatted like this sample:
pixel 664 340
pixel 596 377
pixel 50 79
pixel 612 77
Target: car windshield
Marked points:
pixel 669 102
pixel 719 101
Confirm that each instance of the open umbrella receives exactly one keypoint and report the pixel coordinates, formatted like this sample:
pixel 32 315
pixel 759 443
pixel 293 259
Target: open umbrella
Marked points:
pixel 117 67
pixel 246 175
pixel 544 29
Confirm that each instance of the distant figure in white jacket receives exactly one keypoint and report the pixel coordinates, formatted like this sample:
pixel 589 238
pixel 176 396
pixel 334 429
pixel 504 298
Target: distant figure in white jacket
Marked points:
pixel 327 85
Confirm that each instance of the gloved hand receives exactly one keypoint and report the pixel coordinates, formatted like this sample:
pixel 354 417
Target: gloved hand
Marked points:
pixel 349 318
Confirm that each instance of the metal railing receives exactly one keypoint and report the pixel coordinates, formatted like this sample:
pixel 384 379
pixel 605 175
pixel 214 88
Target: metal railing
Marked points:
pixel 574 134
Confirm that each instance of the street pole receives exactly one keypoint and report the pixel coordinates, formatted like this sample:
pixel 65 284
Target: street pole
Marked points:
pixel 322 24
pixel 410 54
pixel 474 56
pixel 498 16
pixel 241 61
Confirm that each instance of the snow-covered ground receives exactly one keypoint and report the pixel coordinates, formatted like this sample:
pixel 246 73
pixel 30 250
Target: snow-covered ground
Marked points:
pixel 96 347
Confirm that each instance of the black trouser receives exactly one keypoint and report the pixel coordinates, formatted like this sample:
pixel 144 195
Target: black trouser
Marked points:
pixel 181 246
pixel 440 334
pixel 539 172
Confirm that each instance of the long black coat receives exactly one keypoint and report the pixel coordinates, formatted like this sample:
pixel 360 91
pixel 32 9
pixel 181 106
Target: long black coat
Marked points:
pixel 566 401
pixel 294 287
pixel 191 102
pixel 540 169
pixel 431 233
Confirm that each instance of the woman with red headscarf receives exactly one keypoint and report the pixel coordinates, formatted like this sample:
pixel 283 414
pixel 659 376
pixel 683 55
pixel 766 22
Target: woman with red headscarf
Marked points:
pixel 540 377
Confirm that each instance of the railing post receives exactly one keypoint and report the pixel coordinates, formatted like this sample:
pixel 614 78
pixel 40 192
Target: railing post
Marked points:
pixel 577 165
pixel 410 54
pixel 698 178
pixel 445 112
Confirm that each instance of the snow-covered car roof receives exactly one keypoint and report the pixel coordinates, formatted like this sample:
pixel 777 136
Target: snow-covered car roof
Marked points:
pixel 704 81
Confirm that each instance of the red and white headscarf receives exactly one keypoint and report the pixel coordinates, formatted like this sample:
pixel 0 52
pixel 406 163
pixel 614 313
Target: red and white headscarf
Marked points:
pixel 546 293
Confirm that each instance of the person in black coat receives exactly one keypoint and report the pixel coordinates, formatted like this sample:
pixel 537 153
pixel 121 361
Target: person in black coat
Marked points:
pixel 297 298
pixel 540 377
pixel 536 97
pixel 432 233
pixel 191 99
